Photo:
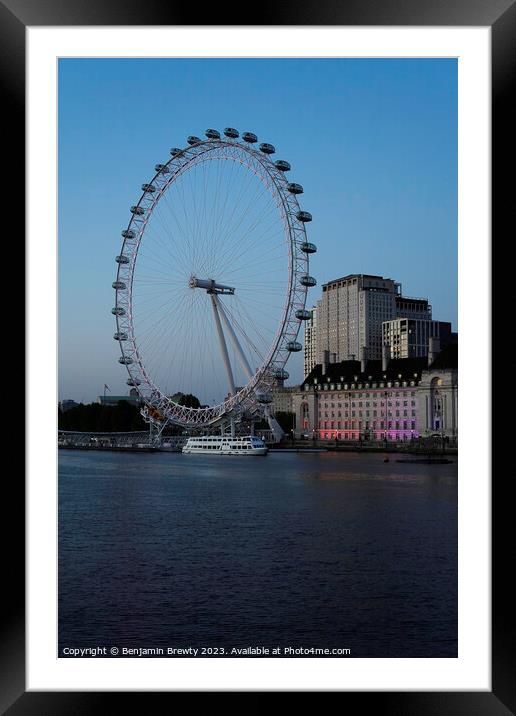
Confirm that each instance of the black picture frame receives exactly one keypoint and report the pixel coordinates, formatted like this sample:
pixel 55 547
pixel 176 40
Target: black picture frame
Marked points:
pixel 500 16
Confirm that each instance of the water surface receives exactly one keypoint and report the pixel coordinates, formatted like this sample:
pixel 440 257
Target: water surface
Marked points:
pixel 325 550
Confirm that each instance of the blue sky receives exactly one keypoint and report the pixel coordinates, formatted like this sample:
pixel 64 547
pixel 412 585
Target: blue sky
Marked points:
pixel 374 143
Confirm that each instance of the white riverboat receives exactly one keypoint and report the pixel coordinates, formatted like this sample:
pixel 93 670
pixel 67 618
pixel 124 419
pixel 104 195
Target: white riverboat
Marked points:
pixel 226 445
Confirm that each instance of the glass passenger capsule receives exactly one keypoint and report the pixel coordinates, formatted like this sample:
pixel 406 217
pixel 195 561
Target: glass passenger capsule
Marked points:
pixel 193 140
pixel 118 311
pixel 128 234
pixel 122 259
pixel 175 151
pixel 249 137
pixel 308 248
pixel 282 165
pixel 303 216
pixel 120 336
pixel 148 188
pixel 133 381
pixel 264 398
pixel 303 315
pixel 212 134
pixel 294 346
pixel 125 360
pixel 295 188
pixel 137 210
pixel 267 148
pixel 308 281
pixel 281 374
pixel 119 285
pixel 230 132
pixel 162 169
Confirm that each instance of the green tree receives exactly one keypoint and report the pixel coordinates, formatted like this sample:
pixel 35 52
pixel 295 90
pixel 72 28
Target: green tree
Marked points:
pixel 93 417
pixel 189 401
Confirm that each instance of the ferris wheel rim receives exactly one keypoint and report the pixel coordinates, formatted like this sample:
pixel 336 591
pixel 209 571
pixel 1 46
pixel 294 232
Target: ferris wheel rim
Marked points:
pixel 294 233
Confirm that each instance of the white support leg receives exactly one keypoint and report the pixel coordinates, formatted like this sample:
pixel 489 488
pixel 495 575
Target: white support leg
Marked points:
pixel 234 340
pixel 222 341
pixel 213 289
pixel 276 429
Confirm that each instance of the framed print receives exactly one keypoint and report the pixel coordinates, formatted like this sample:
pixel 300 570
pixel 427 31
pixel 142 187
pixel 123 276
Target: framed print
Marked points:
pixel 172 174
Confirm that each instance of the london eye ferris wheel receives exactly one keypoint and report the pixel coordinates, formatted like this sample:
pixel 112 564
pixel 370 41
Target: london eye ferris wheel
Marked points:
pixel 212 280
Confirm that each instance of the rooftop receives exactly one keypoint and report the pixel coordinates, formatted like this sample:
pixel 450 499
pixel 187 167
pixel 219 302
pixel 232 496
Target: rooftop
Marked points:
pixel 412 299
pixel 349 371
pixel 357 275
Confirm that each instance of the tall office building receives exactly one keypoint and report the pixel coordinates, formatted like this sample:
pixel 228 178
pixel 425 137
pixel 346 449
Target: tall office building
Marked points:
pixel 350 316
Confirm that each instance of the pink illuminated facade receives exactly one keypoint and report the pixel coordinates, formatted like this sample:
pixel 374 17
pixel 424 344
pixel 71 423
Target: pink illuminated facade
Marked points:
pixel 369 410
pixel 398 401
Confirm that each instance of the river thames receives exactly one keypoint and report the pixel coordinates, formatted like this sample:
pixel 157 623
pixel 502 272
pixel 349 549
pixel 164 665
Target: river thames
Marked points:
pixel 323 550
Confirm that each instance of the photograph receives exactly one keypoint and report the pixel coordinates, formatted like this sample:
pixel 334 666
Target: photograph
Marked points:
pixel 257 258
pixel 258 250
pixel 258 340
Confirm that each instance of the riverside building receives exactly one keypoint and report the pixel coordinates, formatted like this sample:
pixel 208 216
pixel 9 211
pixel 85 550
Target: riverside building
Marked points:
pixel 390 399
pixel 113 400
pixel 282 398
